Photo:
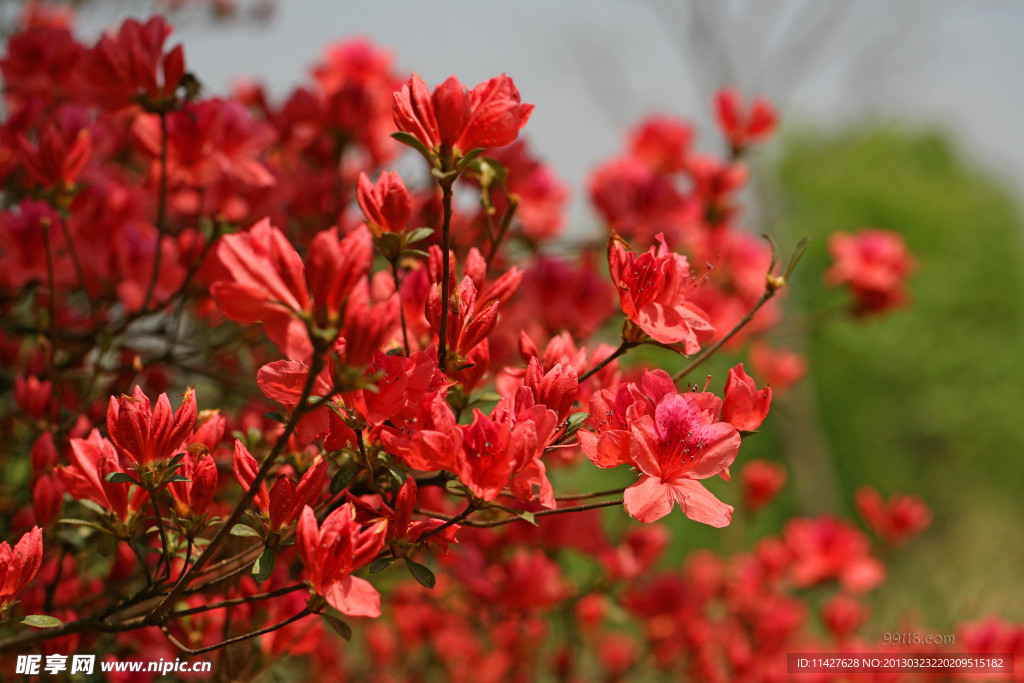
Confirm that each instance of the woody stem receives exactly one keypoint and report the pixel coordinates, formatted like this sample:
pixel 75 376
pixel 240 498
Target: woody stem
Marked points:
pixel 510 520
pixel 401 308
pixel 166 574
pixel 230 641
pixel 625 346
pixel 454 520
pixel 446 205
pixel 506 221
pixel 161 610
pixel 769 292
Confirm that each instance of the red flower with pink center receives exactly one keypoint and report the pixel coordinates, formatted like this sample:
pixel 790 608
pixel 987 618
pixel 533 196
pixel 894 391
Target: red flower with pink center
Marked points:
pixel 673 449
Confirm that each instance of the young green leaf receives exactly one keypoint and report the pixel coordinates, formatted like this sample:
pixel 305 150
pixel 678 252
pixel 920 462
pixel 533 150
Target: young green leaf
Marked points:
pixel 264 566
pixel 424 576
pixel 41 621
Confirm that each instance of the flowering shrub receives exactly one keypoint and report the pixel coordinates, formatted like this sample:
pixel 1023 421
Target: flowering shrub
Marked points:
pixel 382 380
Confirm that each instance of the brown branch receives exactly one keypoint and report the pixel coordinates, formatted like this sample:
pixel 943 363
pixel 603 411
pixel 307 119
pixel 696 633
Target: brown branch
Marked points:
pixel 446 229
pixel 595 494
pixel 243 504
pixel 237 601
pixel 230 641
pixel 506 221
pixel 769 292
pixel 510 520
pixel 625 346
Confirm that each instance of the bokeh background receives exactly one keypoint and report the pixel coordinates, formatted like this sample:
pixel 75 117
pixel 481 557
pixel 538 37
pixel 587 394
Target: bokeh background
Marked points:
pixel 904 115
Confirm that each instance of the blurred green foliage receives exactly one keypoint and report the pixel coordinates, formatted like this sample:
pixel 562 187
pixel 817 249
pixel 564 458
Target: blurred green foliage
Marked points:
pixel 926 399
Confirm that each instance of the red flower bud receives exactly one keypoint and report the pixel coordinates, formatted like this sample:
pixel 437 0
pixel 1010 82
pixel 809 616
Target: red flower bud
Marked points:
pixel 744 406
pixel 145 435
pixel 387 204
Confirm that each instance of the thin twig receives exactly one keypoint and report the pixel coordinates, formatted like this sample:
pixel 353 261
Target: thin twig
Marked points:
pixel 625 346
pixel 595 494
pixel 446 245
pixel 164 607
pixel 230 641
pixel 401 308
pixel 769 292
pixel 510 520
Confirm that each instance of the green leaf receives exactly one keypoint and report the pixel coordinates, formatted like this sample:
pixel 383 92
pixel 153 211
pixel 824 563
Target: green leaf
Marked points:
pixel 524 515
pixel 263 567
pixel 343 477
pixel 380 564
pixel 468 158
pixel 418 234
pixel 121 478
pixel 175 461
pixel 244 530
pixel 107 545
pixel 176 477
pixel 573 423
pixel 275 416
pixel 775 251
pixel 94 507
pixel 41 621
pixel 423 576
pixel 418 253
pixel 798 252
pixel 82 522
pixel 339 626
pixel 410 139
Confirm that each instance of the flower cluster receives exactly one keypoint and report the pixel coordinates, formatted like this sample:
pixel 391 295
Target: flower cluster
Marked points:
pixel 261 381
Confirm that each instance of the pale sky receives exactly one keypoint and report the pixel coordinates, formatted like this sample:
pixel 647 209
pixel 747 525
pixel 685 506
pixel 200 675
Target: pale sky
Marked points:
pixel 593 67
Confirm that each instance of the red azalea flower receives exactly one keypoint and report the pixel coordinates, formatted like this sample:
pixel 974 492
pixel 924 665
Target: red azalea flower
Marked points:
pixel 123 68
pixel 195 495
pixel 744 407
pixel 555 389
pixel 59 156
pixel 672 450
pixel 145 435
pixel 333 550
pixel 386 204
pixel 453 118
pixel 32 395
pixel 780 369
pixel 662 142
pixel 430 440
pixel 829 548
pixel 19 566
pixel 85 478
pixel 875 264
pixel 283 503
pixel 741 128
pixel 497 448
pixel 760 481
pixel 897 520
pixel 268 282
pixel 654 290
pixel 613 410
